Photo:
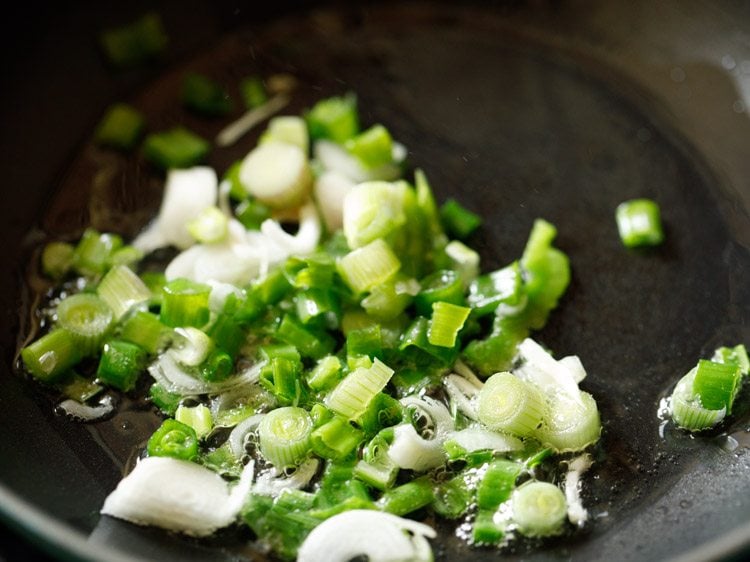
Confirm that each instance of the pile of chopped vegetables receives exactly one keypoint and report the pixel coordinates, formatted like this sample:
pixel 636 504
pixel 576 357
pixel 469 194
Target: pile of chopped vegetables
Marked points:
pixel 323 385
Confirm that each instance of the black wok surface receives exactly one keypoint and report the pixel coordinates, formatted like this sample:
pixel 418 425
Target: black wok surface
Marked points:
pixel 520 110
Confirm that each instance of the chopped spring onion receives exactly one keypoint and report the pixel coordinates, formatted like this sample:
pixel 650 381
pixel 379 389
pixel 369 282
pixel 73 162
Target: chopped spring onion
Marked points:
pixel 336 439
pixel 464 261
pixel 443 285
pixel 716 384
pixel 352 395
pixel 736 355
pixel 457 220
pixel 51 355
pixel 122 289
pixel 334 118
pixel 205 96
pixel 135 43
pixel 687 410
pixel 173 439
pixel 121 127
pixel 373 147
pixel 639 223
pixel 94 251
pixel 253 92
pixel 146 330
pixel 284 436
pixel 497 484
pixel 277 174
pixel 368 266
pixel 407 497
pixel 289 129
pixel 486 531
pixel 57 259
pixel 185 303
pixel 507 403
pixel 88 319
pixel 473 439
pixel 447 320
pixel 121 364
pixel 539 509
pixel 176 148
pixel 198 417
pixel 570 425
pixel 373 210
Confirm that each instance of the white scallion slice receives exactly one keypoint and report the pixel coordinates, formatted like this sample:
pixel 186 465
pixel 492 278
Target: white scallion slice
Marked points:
pixel 540 368
pixel 378 536
pixel 368 266
pixel 193 346
pixel 539 509
pixel 330 191
pixel 507 403
pixel 570 425
pixel 577 514
pixel 209 226
pixel 186 194
pixel 278 174
pixel 373 210
pixel 89 320
pixel 198 417
pixel 477 439
pixel 290 129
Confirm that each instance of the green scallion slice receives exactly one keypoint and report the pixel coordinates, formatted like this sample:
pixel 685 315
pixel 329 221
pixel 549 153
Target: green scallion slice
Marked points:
pixel 352 395
pixel 539 509
pixel 497 484
pixel 507 403
pixel 334 118
pixel 373 147
pixel 446 322
pixel 639 223
pixel 253 92
pixel 284 436
pixel 57 259
pixel 135 43
pixel 716 384
pixel 457 220
pixel 205 96
pixel 173 439
pixel 368 266
pixel 121 127
pixel 52 355
pixel 88 318
pixel 185 303
pixel 176 148
pixel 568 424
pixel 121 364
pixel 198 417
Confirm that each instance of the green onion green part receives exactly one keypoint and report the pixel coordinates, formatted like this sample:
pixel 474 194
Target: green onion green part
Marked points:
pixel 88 319
pixel 121 127
pixel 176 148
pixel 639 223
pixel 122 290
pixel 51 355
pixel 173 439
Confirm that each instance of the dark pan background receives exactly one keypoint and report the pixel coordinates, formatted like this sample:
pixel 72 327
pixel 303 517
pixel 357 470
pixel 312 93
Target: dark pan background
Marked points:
pixel 518 109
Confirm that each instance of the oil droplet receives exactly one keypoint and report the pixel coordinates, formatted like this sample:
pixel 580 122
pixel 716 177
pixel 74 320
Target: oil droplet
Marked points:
pixel 684 504
pixel 677 74
pixel 738 106
pixel 728 62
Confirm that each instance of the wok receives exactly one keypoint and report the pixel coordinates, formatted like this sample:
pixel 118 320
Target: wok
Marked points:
pixel 556 109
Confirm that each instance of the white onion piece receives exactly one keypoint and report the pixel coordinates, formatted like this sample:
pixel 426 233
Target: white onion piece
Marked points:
pixel 330 189
pixel 465 371
pixel 577 514
pixel 335 157
pixel 573 364
pixel 378 536
pixel 277 174
pixel 186 194
pixel 178 496
pixel 302 243
pixel 171 376
pixel 440 415
pixel 236 438
pixel 86 413
pixel 540 368
pixel 235 260
pixel 477 439
pixel 463 393
pixel 193 347
pixel 271 483
pixel 410 450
